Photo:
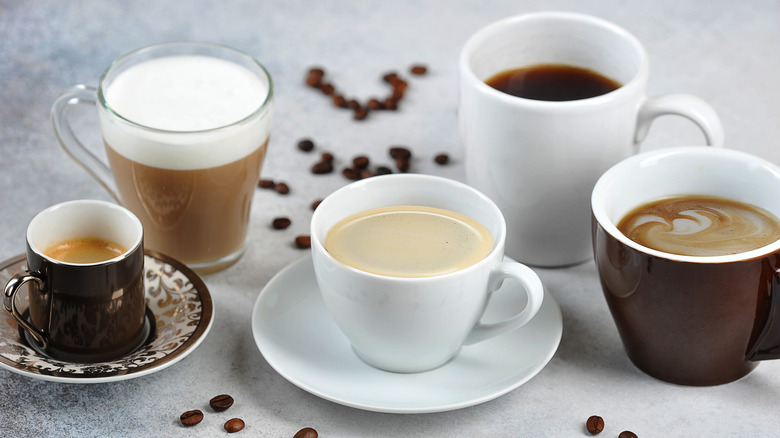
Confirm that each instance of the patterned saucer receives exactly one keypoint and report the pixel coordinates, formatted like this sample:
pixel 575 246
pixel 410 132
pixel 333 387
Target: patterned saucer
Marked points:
pixel 176 297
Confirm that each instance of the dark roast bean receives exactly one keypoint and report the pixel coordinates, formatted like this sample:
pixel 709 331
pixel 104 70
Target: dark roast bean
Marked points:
pixel 306 145
pixel 353 104
pixel 360 114
pixel 282 188
pixel 383 170
pixel 234 425
pixel 306 432
pixel 327 156
pixel 351 173
pixel 303 242
pixel 316 204
pixel 279 223
pixel 390 104
pixel 322 167
pixel 390 77
pixel 339 101
pixel 360 162
pixel 374 104
pixel 595 424
pixel 266 184
pixel 627 434
pixel 327 88
pixel 365 173
pixel 442 159
pixel 191 418
pixel 224 401
pixel 418 69
pixel 400 152
pixel 314 77
pixel 398 93
pixel 402 164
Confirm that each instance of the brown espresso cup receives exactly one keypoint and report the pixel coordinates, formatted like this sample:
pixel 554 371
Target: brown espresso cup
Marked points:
pixel 84 282
pixel 687 319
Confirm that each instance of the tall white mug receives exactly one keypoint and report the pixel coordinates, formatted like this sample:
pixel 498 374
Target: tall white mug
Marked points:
pixel 539 160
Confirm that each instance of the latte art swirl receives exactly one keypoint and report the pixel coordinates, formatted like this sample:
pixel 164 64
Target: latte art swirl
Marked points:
pixel 700 226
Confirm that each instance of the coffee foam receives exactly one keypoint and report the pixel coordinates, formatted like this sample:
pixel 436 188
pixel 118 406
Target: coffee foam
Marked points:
pixel 184 99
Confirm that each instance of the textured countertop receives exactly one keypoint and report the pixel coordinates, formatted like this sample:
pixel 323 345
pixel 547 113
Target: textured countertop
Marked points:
pixel 722 51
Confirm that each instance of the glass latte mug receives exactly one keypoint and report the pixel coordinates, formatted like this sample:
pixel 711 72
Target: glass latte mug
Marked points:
pixel 185 127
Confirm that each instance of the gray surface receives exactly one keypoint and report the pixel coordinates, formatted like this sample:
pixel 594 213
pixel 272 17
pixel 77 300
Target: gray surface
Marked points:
pixel 725 52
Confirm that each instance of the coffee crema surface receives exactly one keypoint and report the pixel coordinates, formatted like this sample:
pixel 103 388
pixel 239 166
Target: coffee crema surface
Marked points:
pixel 700 226
pixel 85 250
pixel 409 241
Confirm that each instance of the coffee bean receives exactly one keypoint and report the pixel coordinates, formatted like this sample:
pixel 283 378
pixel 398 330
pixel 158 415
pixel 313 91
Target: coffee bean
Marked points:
pixel 327 156
pixel 360 114
pixel 383 170
pixel 322 167
pixel 390 104
pixel 360 162
pixel 234 425
pixel 365 173
pixel 374 104
pixel 314 77
pixel 353 104
pixel 316 204
pixel 390 77
pixel 282 188
pixel 279 223
pixel 224 401
pixel 442 159
pixel 400 152
pixel 306 432
pixel 266 184
pixel 595 424
pixel 327 88
pixel 306 145
pixel 418 69
pixel 303 242
pixel 351 173
pixel 191 418
pixel 398 93
pixel 402 164
pixel 339 101
pixel 627 434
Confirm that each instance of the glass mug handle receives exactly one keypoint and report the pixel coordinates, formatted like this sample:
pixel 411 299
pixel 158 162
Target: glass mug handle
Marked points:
pixel 9 303
pixel 691 107
pixel 534 292
pixel 80 94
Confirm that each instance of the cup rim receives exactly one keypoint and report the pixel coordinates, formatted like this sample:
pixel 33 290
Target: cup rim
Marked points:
pixel 317 245
pixel 608 178
pixel 192 44
pixel 484 33
pixel 132 249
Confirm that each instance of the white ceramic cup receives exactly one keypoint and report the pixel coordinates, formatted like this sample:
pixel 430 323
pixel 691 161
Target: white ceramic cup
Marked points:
pixel 539 160
pixel 416 324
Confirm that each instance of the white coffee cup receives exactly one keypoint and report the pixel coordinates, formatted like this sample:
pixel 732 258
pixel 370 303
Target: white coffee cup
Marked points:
pixel 539 160
pixel 416 324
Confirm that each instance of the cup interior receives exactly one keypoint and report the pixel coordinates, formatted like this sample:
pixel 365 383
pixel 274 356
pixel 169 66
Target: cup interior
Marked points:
pixel 683 171
pixel 554 38
pixel 84 218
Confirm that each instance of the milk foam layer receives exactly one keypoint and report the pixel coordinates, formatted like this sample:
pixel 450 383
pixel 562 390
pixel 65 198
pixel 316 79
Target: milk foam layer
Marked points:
pixel 184 98
pixel 701 226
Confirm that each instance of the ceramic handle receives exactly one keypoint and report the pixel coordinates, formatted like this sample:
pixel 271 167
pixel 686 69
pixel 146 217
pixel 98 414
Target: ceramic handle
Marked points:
pixel 691 107
pixel 68 140
pixel 9 303
pixel 767 345
pixel 533 289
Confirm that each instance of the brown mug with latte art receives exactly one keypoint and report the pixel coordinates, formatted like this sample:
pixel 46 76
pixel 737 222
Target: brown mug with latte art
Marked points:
pixel 691 306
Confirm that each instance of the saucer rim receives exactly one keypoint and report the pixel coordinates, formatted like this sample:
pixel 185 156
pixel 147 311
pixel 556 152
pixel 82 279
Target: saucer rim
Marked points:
pixel 182 351
pixel 393 407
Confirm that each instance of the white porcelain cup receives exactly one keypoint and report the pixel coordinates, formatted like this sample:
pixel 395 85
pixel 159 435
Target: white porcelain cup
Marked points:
pixel 539 160
pixel 416 324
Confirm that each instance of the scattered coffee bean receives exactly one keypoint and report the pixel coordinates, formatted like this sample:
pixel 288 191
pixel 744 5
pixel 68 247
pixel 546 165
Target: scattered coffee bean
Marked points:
pixel 402 164
pixel 418 69
pixel 360 162
pixel 595 424
pixel 279 223
pixel 397 152
pixel 374 104
pixel 383 170
pixel 303 242
pixel 282 188
pixel 390 104
pixel 390 77
pixel 234 425
pixel 360 114
pixel 339 101
pixel 306 145
pixel 306 432
pixel 322 167
pixel 224 401
pixel 327 156
pixel 365 173
pixel 327 88
pixel 353 104
pixel 351 173
pixel 266 184
pixel 627 434
pixel 191 418
pixel 316 204
pixel 442 159
pixel 314 77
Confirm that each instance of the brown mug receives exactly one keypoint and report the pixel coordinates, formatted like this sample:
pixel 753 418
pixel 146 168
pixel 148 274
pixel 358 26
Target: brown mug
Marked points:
pixel 691 320
pixel 87 309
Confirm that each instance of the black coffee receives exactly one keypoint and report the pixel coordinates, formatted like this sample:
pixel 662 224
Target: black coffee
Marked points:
pixel 553 82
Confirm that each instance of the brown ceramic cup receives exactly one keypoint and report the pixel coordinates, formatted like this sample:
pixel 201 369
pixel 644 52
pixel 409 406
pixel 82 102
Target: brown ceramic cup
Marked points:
pixel 691 320
pixel 82 312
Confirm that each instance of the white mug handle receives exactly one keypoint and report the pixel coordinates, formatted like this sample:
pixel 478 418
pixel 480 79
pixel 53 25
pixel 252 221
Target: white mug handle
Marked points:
pixel 533 289
pixel 691 107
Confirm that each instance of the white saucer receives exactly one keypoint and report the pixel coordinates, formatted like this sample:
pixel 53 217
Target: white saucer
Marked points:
pixel 176 299
pixel 300 340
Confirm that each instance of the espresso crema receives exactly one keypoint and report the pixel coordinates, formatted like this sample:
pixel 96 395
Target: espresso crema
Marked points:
pixel 700 226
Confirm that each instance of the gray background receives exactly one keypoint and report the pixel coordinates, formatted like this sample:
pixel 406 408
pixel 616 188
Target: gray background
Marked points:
pixel 722 51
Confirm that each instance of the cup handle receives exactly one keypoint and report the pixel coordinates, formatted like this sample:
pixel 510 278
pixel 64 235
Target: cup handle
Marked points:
pixel 9 303
pixel 71 144
pixel 767 345
pixel 533 289
pixel 691 107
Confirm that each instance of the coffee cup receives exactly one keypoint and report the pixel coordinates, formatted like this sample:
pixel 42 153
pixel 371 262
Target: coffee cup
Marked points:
pixel 185 127
pixel 691 319
pixel 406 265
pixel 539 159
pixel 84 282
